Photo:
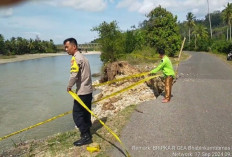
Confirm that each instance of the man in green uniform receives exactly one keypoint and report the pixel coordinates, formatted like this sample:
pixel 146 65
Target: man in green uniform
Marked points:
pixel 167 69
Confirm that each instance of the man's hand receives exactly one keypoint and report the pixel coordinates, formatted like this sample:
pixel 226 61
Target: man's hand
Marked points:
pixel 69 89
pixel 151 74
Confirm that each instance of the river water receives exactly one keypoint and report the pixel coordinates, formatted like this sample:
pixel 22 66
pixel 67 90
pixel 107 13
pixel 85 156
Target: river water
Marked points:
pixel 33 91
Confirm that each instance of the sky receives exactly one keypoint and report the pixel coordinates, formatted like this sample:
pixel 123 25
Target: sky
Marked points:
pixel 61 19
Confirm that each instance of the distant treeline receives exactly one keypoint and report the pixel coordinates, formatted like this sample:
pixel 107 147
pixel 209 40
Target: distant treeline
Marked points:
pixel 201 37
pixel 19 46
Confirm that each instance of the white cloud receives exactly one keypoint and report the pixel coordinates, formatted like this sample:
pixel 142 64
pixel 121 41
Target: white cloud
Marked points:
pixel 32 33
pixel 87 5
pixel 130 4
pixel 6 12
pixel 35 22
pixel 177 7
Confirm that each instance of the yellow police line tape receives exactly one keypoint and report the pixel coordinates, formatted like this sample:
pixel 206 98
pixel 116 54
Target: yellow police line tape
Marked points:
pixel 122 79
pixel 127 88
pixel 76 97
pixel 30 127
pixel 63 114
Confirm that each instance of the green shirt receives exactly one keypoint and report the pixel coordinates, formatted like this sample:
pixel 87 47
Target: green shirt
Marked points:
pixel 166 66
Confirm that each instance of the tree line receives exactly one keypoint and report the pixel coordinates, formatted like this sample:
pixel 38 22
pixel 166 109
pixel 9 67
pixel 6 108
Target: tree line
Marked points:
pixel 19 46
pixel 161 30
pixel 198 31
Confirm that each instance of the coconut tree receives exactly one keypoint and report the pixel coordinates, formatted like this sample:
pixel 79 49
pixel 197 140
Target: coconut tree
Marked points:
pixel 30 46
pixel 2 44
pixel 210 27
pixel 227 17
pixel 200 33
pixel 190 23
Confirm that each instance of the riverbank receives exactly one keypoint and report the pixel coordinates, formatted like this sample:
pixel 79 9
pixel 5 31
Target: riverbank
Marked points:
pixel 18 58
pixel 114 112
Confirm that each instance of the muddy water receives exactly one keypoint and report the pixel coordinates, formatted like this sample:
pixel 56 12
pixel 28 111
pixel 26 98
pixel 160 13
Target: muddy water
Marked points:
pixel 33 91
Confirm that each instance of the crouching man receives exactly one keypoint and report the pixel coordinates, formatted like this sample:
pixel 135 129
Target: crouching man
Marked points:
pixel 169 74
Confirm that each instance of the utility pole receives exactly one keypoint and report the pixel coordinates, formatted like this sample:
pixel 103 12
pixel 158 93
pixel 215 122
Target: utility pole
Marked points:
pixel 211 33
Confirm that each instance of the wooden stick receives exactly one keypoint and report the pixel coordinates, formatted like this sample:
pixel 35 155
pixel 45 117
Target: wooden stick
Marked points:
pixel 182 46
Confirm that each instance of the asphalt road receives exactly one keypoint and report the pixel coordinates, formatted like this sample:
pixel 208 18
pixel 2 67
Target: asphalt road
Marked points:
pixel 197 121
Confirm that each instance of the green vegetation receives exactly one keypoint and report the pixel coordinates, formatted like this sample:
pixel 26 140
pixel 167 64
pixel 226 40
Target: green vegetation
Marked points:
pixel 19 46
pixel 6 57
pixel 162 31
pixel 159 31
pixel 111 40
pixel 198 32
pixel 61 144
pixel 222 56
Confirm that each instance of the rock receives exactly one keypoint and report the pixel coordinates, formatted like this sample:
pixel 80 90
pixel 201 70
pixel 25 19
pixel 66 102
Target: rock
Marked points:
pixel 108 106
pixel 147 96
pixel 118 68
pixel 98 96
pixel 95 82
pixel 157 85
pixel 113 100
pixel 143 92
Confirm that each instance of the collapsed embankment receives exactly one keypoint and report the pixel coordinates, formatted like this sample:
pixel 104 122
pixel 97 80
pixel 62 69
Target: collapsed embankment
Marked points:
pixel 146 91
pixel 108 108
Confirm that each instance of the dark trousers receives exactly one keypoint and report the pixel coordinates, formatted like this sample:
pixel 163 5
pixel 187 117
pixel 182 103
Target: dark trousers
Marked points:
pixel 81 117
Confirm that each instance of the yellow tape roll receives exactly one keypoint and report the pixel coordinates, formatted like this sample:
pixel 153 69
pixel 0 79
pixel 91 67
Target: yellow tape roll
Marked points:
pixel 94 147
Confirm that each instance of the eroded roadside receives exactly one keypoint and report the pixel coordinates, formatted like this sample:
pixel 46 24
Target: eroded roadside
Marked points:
pixel 115 112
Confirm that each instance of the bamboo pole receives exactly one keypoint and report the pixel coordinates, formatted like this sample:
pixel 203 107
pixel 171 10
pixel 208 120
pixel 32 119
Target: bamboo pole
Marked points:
pixel 182 46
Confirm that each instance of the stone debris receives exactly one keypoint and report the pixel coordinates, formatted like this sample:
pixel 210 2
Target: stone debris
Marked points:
pixel 143 92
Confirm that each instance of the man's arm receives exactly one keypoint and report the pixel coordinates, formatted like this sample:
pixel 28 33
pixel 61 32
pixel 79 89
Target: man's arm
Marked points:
pixel 72 80
pixel 73 76
pixel 160 66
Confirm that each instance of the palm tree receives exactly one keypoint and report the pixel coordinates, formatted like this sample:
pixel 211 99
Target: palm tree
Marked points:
pixel 200 32
pixel 211 34
pixel 30 46
pixel 2 44
pixel 190 23
pixel 227 17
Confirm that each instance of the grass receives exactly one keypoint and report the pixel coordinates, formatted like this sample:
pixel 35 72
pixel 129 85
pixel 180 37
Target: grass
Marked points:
pixel 222 56
pixel 7 57
pixel 147 62
pixel 184 56
pixel 62 143
pixel 135 59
